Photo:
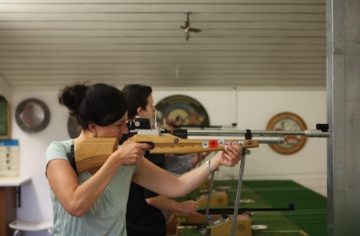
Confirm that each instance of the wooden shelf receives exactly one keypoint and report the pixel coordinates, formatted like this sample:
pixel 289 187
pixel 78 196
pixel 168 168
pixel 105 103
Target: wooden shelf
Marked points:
pixel 13 181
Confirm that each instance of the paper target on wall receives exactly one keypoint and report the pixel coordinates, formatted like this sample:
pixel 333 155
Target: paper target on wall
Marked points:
pixel 181 110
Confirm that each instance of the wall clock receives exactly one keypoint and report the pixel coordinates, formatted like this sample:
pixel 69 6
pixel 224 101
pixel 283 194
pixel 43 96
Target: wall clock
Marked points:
pixel 287 121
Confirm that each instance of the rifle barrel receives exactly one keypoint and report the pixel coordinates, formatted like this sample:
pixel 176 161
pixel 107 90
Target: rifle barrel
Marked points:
pixel 258 133
pixel 275 140
pixel 219 211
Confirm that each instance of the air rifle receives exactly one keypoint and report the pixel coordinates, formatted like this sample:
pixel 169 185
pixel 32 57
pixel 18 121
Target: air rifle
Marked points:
pixel 93 152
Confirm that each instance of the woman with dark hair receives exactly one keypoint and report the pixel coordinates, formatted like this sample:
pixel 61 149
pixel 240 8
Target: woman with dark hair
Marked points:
pixel 144 214
pixel 94 201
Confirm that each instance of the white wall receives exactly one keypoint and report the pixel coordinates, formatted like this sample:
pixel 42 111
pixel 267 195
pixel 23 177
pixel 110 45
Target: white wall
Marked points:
pixel 35 199
pixel 254 110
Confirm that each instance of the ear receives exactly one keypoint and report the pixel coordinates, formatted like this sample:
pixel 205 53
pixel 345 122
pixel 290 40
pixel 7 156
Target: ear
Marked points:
pixel 92 127
pixel 139 111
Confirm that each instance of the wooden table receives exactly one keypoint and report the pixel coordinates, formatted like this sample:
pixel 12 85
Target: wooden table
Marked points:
pixel 9 187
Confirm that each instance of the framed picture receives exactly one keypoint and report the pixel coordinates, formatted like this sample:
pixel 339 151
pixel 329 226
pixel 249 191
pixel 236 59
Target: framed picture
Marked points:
pixel 287 121
pixel 5 131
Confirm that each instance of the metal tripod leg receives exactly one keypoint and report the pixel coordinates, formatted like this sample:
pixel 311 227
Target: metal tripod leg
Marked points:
pixel 238 193
pixel 209 198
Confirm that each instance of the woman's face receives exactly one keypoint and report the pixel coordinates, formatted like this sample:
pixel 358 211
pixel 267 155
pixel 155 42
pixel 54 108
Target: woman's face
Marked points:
pixel 115 130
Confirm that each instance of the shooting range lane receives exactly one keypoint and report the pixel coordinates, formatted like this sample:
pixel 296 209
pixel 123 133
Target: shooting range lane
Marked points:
pixel 308 218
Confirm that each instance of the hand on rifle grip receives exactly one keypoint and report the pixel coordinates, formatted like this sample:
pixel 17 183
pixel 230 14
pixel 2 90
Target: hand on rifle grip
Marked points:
pixel 132 153
pixel 148 149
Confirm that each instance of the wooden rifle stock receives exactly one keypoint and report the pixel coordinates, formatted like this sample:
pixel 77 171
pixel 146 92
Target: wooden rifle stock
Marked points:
pixel 93 152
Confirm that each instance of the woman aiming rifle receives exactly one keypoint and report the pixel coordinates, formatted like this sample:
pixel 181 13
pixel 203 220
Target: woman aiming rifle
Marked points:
pixel 94 202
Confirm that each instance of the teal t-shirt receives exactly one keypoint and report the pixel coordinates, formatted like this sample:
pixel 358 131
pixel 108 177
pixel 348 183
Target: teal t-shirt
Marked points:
pixel 106 216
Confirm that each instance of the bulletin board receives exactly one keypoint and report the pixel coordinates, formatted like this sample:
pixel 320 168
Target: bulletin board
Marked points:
pixel 4 118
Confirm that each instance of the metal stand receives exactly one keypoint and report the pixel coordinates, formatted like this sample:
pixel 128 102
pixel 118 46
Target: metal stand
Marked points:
pixel 238 193
pixel 209 198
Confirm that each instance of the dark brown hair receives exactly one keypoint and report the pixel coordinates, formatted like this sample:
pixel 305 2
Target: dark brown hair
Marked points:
pixel 137 96
pixel 98 103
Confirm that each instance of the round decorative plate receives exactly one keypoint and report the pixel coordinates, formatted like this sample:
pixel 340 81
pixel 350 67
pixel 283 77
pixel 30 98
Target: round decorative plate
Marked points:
pixel 32 115
pixel 288 121
pixel 73 128
pixel 181 110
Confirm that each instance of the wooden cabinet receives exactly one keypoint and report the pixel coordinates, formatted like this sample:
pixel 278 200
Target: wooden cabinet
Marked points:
pixel 8 202
pixel 8 209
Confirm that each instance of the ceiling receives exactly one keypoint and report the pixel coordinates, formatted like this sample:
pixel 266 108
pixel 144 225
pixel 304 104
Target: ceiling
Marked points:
pixel 257 44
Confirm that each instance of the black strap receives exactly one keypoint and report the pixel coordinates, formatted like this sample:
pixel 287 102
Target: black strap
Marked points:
pixel 71 157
